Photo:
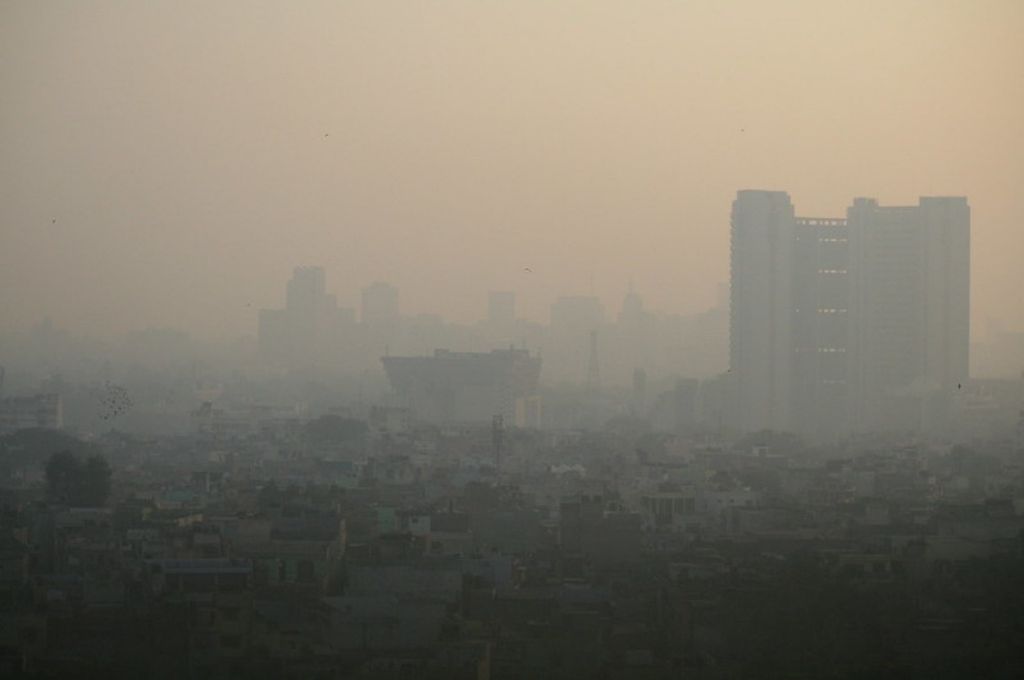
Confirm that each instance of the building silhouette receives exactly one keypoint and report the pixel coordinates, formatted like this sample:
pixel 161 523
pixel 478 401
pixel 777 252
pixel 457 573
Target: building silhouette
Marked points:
pixel 909 311
pixel 468 387
pixel 39 411
pixel 847 325
pixel 311 328
pixel 761 309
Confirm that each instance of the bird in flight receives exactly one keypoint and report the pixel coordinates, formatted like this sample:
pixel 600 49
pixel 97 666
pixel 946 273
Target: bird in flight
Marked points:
pixel 527 269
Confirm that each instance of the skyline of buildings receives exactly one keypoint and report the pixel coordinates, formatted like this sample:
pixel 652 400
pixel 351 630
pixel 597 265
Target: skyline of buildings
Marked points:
pixel 835 325
pixel 312 332
pixel 829 326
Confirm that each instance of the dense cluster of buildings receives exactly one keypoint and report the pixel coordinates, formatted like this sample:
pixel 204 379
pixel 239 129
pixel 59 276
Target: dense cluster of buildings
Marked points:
pixel 835 326
pixel 388 549
pixel 806 510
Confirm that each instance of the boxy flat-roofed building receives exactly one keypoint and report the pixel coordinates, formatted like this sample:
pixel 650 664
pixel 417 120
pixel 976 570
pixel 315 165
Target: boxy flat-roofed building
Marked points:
pixel 848 325
pixel 23 413
pixel 451 387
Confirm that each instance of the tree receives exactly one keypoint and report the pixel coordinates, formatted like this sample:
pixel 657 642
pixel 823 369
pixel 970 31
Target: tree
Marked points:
pixel 73 482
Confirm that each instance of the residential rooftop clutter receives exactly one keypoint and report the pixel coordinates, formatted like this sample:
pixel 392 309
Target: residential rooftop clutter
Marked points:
pixel 324 547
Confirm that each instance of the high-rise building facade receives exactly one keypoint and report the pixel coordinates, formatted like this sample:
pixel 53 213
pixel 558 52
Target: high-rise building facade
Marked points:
pixel 845 325
pixel 909 311
pixel 820 326
pixel 761 309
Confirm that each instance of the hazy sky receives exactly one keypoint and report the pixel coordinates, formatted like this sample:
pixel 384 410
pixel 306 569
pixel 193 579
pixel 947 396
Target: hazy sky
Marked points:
pixel 193 152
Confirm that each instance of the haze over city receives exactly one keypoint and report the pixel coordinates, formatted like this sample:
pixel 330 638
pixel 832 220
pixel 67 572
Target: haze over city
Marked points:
pixel 167 164
pixel 533 339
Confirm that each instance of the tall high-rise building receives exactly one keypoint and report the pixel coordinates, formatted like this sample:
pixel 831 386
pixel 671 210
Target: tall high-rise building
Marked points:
pixel 820 330
pixel 306 289
pixel 909 311
pixel 632 311
pixel 856 324
pixel 761 304
pixel 309 331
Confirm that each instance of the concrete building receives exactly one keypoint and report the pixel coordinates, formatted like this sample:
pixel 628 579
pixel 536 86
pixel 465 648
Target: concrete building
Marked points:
pixel 820 326
pixel 306 290
pixel 465 387
pixel 845 325
pixel 23 413
pixel 761 304
pixel 311 328
pixel 909 311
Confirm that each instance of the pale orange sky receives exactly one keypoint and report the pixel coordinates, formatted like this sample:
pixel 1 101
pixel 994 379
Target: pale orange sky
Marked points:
pixel 181 146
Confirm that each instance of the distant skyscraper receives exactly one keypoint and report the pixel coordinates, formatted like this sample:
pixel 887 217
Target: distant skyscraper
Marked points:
pixel 630 344
pixel 309 331
pixel 761 328
pixel 306 289
pixel 820 326
pixel 853 324
pixel 909 310
pixel 380 304
pixel 632 312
